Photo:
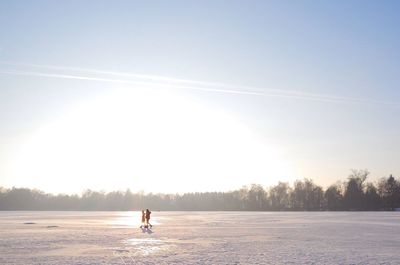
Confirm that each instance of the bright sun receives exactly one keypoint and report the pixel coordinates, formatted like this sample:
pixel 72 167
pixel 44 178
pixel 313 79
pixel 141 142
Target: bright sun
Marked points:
pixel 146 140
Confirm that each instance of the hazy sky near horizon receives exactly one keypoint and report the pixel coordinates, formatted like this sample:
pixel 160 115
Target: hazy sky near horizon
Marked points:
pixel 173 96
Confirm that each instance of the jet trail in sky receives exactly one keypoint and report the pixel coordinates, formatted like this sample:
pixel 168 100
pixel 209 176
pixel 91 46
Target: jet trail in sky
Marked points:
pixel 167 82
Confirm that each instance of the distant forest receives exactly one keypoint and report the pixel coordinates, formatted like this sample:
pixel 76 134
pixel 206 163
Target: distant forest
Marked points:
pixel 353 194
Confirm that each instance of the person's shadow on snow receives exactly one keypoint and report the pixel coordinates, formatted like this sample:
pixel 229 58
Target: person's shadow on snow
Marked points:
pixel 146 230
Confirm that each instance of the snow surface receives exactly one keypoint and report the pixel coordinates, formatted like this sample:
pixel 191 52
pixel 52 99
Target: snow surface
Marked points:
pixel 200 238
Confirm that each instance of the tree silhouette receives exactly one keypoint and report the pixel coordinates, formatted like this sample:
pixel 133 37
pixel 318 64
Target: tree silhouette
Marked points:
pixel 257 198
pixel 389 189
pixel 355 194
pixel 372 199
pixel 280 196
pixel 334 198
pixel 306 196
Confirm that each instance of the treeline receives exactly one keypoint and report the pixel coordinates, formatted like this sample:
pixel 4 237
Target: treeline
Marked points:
pixel 353 194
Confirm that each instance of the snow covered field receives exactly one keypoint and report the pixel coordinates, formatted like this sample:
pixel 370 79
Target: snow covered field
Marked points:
pixel 200 238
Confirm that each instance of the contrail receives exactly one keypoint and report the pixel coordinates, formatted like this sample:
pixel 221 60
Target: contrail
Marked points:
pixel 121 81
pixel 167 82
pixel 154 78
pixel 164 80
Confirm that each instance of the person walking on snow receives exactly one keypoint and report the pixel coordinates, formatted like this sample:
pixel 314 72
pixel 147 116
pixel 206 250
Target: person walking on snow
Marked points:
pixel 148 213
pixel 143 219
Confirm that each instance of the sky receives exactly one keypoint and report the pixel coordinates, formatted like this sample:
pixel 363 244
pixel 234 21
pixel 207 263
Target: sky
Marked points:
pixel 179 96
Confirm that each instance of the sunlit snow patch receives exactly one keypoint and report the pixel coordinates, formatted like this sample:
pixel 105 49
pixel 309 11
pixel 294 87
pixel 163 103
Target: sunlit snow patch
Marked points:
pixel 130 220
pixel 146 246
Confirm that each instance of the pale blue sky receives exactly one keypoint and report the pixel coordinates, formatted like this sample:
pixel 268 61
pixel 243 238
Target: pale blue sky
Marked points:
pixel 345 51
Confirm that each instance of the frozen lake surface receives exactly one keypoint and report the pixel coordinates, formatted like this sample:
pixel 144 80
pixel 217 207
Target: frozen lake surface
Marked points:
pixel 200 238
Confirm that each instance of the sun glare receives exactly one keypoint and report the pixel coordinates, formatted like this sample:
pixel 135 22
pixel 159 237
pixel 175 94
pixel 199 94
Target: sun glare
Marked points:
pixel 146 140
